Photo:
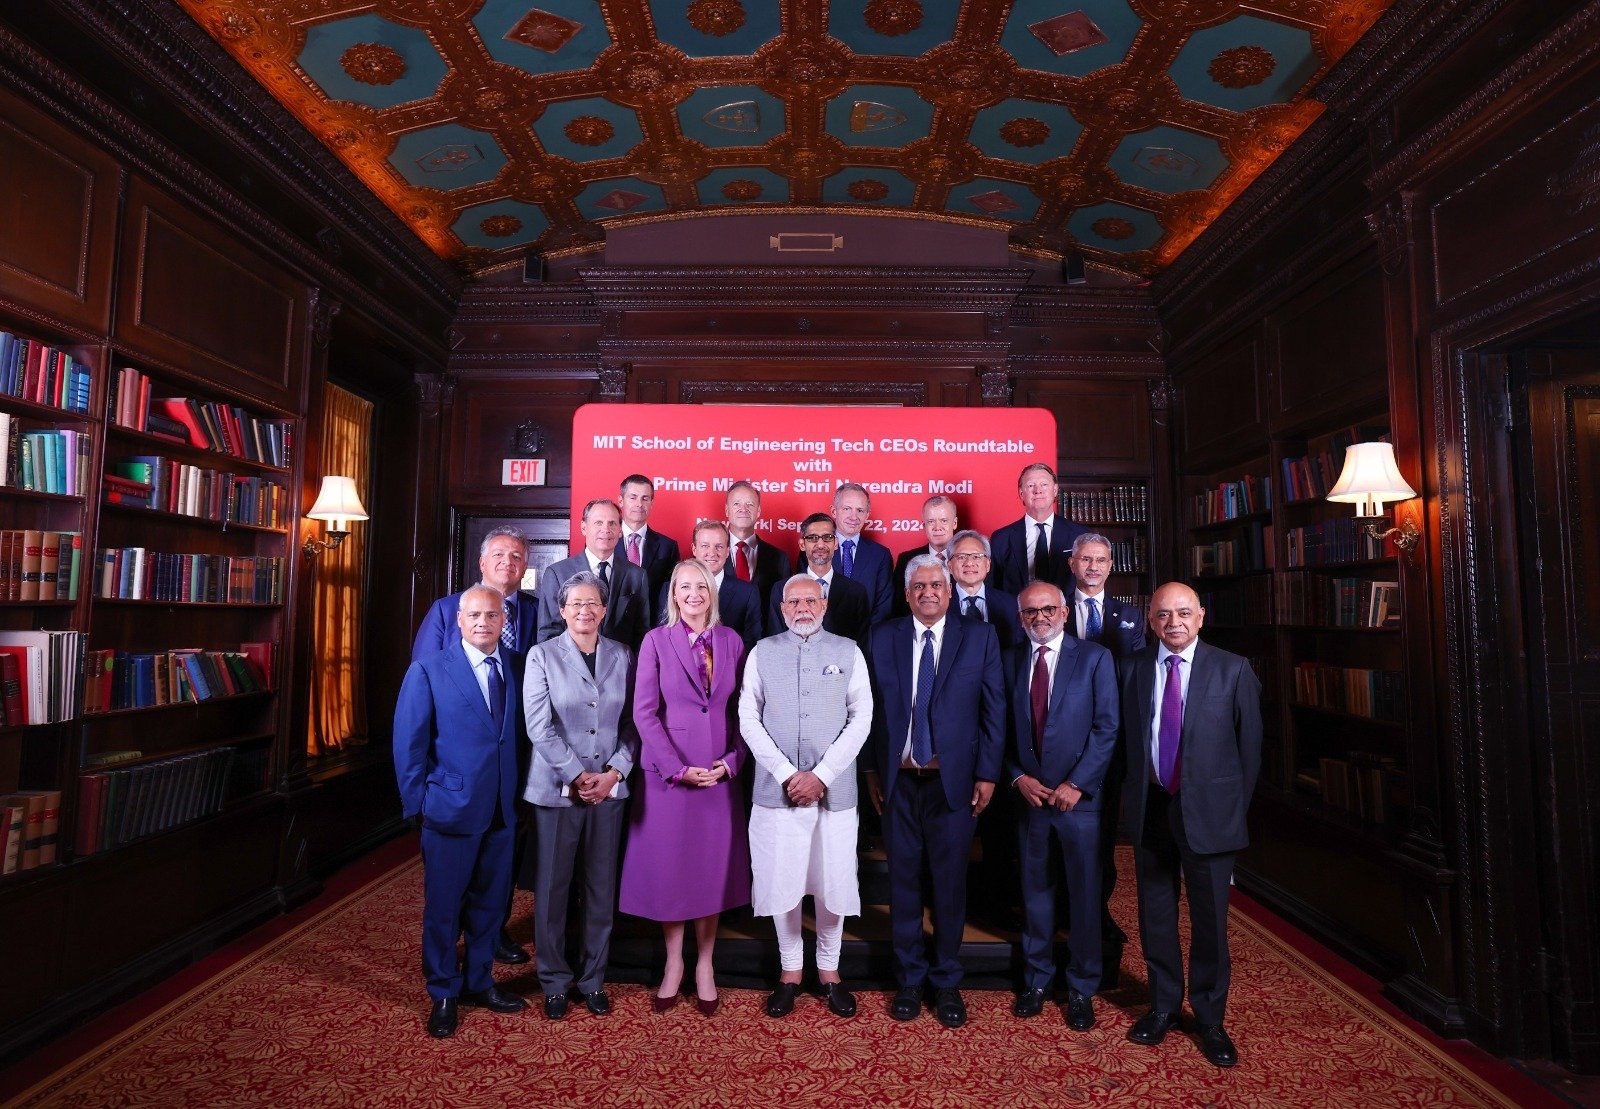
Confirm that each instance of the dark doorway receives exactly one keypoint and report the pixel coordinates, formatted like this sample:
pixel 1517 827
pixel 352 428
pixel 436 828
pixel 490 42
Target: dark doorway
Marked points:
pixel 1556 447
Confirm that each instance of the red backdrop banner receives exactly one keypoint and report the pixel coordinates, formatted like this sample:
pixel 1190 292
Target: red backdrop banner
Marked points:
pixel 798 455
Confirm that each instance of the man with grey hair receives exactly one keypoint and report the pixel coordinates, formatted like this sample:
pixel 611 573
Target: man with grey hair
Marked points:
pixel 938 737
pixel 938 530
pixel 502 561
pixel 974 598
pixel 803 821
pixel 628 608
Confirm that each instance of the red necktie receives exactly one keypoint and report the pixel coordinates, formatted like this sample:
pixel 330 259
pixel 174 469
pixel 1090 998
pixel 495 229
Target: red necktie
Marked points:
pixel 741 562
pixel 1039 694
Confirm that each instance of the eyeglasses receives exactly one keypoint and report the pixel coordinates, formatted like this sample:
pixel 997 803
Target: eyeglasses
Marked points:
pixel 1048 612
pixel 828 538
pixel 969 558
pixel 801 602
pixel 583 606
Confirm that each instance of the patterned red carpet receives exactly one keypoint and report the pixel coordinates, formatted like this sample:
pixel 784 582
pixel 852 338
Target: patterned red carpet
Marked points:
pixel 330 1013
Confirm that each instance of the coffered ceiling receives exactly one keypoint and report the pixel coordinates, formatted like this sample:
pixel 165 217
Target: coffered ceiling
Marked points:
pixel 1118 128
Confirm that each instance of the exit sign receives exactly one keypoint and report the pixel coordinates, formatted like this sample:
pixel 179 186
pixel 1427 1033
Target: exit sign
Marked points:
pixel 522 471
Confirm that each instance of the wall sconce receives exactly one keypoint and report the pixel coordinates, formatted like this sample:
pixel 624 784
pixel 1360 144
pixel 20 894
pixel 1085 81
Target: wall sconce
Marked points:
pixel 1370 478
pixel 339 505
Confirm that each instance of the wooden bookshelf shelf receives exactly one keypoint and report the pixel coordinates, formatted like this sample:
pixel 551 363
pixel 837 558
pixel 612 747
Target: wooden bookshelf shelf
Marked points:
pixel 39 495
pixel 176 706
pixel 200 456
pixel 198 521
pixel 121 601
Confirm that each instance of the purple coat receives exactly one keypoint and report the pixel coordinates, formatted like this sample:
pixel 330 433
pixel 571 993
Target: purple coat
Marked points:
pixel 687 855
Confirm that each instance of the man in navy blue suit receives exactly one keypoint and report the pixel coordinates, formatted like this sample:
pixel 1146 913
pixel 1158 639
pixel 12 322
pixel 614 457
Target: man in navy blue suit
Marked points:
pixel 973 596
pixel 502 561
pixel 860 557
pixel 937 743
pixel 1063 714
pixel 1019 557
pixel 939 526
pixel 754 560
pixel 738 603
pixel 1119 628
pixel 642 544
pixel 849 611
pixel 457 732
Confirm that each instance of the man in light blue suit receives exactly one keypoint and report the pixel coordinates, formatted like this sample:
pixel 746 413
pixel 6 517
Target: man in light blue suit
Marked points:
pixel 457 730
pixel 1063 713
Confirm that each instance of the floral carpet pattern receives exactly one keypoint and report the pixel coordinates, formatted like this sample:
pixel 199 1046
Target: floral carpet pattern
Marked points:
pixel 331 1013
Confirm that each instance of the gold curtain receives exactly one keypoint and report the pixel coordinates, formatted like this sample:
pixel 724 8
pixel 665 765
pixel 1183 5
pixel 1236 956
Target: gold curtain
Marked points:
pixel 338 579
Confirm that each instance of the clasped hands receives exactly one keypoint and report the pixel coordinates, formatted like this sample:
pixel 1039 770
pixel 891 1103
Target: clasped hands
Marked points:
pixel 804 788
pixel 1037 794
pixel 702 777
pixel 593 787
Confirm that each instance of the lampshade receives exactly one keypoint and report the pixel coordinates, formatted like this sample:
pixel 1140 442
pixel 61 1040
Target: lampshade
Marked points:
pixel 338 503
pixel 1370 478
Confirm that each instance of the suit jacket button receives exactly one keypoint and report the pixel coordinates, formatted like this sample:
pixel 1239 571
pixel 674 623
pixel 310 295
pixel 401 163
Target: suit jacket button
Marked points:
pixel 591 731
pixel 705 709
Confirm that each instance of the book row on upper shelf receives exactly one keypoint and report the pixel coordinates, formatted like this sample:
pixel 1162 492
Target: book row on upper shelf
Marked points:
pixel 1369 786
pixel 1229 500
pixel 1356 691
pixel 30 821
pixel 40 565
pixel 150 481
pixel 1115 504
pixel 45 460
pixel 1310 476
pixel 1344 602
pixel 208 425
pixel 140 574
pixel 42 374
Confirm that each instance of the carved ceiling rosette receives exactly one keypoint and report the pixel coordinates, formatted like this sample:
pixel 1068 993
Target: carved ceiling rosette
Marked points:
pixel 969 77
pixel 640 77
pixel 680 163
pixel 936 164
pixel 1119 99
pixel 818 68
pixel 822 158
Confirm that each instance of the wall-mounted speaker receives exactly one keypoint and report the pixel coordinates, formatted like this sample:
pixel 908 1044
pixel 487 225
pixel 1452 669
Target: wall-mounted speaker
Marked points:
pixel 532 267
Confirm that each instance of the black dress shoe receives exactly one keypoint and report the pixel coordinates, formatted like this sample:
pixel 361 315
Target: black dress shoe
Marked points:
pixel 1029 1003
pixel 780 1002
pixel 949 1008
pixel 1152 1028
pixel 841 1002
pixel 597 1003
pixel 555 1006
pixel 907 1003
pixel 495 1000
pixel 507 950
pixel 1217 1046
pixel 1080 1012
pixel 443 1019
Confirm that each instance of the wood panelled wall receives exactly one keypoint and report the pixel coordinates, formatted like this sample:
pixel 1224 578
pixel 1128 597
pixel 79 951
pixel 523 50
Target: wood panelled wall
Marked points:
pixel 1431 230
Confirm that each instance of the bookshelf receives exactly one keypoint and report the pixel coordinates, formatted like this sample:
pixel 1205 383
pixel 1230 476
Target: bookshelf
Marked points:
pixel 1119 509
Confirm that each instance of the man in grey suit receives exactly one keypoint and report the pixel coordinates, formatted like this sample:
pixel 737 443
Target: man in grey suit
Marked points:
pixel 627 587
pixel 577 698
pixel 1192 717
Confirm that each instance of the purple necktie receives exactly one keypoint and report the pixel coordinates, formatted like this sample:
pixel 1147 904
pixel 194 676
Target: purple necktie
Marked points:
pixel 634 554
pixel 701 647
pixel 1171 727
pixel 1039 697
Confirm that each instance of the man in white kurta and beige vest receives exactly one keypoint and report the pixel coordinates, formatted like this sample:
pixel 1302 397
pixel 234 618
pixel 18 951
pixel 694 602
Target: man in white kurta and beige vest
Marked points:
pixel 804 712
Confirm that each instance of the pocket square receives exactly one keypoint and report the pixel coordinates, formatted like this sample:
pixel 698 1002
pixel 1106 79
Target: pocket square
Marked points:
pixel 1128 623
pixel 831 669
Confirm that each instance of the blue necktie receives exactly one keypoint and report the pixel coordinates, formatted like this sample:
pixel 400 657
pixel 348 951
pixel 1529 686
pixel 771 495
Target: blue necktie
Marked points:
pixel 921 734
pixel 1092 632
pixel 849 559
pixel 497 692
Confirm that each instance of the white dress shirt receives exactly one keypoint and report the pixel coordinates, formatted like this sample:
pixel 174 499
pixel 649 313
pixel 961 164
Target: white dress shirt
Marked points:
pixel 480 671
pixel 917 628
pixel 1184 668
pixel 1030 530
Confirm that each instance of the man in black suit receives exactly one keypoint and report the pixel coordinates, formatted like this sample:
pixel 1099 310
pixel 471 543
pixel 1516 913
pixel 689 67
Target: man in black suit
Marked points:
pixel 1018 555
pixel 1119 628
pixel 1062 697
pixel 737 602
pixel 628 610
pixel 849 611
pixel 1192 717
pixel 860 557
pixel 938 531
pixel 754 559
pixel 641 544
pixel 936 747
pixel 974 597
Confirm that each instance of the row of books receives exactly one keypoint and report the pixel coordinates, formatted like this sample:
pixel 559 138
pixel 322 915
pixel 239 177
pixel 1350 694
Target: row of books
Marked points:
pixel 1376 694
pixel 39 565
pixel 1240 604
pixel 149 481
pixel 47 460
pixel 1310 476
pixel 1115 504
pixel 1372 787
pixel 1230 500
pixel 135 680
pixel 30 822
pixel 140 574
pixel 119 806
pixel 1344 602
pixel 37 372
pixel 41 674
pixel 1332 542
pixel 206 424
pixel 1247 551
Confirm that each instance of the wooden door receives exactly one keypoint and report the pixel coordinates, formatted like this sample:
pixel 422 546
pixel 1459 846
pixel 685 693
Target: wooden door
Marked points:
pixel 1557 449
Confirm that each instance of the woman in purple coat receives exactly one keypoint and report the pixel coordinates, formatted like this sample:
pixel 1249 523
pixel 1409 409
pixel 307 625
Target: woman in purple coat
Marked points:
pixel 687 855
